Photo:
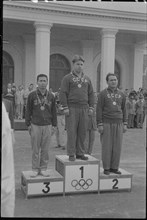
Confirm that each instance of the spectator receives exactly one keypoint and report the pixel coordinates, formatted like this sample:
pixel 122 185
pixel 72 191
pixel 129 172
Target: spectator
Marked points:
pixel 9 86
pixel 61 135
pixel 40 117
pixel 92 127
pixel 112 122
pixel 26 93
pixel 11 97
pixel 140 111
pixel 77 99
pixel 7 168
pixel 20 102
pixel 130 108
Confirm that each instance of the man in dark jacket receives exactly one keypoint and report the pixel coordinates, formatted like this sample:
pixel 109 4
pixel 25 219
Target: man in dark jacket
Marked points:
pixel 77 99
pixel 112 122
pixel 40 117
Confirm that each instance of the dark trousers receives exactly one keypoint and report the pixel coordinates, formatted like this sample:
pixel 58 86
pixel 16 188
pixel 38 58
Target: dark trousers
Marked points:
pixel 76 125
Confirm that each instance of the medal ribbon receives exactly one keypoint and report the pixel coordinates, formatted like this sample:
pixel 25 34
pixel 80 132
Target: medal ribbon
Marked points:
pixel 78 80
pixel 113 101
pixel 42 104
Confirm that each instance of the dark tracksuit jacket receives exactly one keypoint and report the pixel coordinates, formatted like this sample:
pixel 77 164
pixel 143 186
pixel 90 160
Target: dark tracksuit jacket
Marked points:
pixel 112 117
pixel 35 115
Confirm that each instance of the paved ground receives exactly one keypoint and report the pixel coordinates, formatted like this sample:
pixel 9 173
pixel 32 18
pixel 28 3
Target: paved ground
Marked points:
pixel 105 205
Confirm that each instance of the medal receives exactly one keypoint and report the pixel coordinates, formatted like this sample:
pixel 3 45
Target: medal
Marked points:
pixel 114 103
pixel 42 108
pixel 79 85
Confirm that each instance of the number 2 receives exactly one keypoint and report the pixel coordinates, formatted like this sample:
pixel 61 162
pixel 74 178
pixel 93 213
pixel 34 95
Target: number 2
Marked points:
pixel 115 184
pixel 47 187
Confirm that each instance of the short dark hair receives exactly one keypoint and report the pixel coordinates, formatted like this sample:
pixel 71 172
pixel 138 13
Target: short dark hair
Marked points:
pixel 77 58
pixel 110 74
pixel 42 75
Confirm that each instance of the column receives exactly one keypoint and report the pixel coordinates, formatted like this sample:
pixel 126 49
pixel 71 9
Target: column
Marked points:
pixel 29 61
pixel 138 68
pixel 42 48
pixel 88 56
pixel 107 54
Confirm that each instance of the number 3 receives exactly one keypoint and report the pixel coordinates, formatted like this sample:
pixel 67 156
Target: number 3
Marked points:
pixel 47 187
pixel 116 182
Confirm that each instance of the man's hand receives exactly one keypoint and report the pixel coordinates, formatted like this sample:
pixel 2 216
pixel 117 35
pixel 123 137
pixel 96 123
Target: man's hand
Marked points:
pixel 54 129
pixel 29 129
pixel 100 129
pixel 124 128
pixel 66 111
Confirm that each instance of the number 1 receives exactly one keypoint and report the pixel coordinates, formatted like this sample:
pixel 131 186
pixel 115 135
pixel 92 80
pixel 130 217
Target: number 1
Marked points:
pixel 82 171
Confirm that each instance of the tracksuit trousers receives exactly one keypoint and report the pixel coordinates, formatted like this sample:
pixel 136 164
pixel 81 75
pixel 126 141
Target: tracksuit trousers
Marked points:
pixel 111 141
pixel 76 125
pixel 40 140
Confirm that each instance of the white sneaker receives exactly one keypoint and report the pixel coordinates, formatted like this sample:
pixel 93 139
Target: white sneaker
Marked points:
pixel 34 174
pixel 44 173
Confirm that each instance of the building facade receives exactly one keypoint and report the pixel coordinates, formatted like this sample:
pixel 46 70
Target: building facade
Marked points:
pixel 43 37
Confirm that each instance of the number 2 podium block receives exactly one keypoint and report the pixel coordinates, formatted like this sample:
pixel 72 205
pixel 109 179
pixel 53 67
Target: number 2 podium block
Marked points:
pixel 115 182
pixel 41 186
pixel 79 175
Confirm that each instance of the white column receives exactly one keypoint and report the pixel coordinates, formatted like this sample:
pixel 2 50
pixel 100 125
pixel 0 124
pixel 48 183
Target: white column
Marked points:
pixel 138 68
pixel 107 54
pixel 29 63
pixel 88 65
pixel 42 48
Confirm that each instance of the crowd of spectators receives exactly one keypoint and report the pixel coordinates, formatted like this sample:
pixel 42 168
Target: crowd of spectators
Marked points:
pixel 18 97
pixel 136 105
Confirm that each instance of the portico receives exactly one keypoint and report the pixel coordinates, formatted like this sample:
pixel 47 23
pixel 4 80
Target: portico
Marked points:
pixel 100 35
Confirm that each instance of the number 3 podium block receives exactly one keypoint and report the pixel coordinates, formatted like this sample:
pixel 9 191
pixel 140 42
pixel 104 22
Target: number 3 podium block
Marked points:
pixel 79 175
pixel 115 182
pixel 40 185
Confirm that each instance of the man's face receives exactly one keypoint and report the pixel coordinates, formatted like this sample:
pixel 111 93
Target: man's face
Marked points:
pixel 112 81
pixel 78 66
pixel 31 87
pixel 9 85
pixel 42 82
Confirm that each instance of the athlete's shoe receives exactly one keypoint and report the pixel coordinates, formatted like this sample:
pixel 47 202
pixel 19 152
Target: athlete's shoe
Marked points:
pixel 44 173
pixel 116 171
pixel 34 174
pixel 71 158
pixel 106 172
pixel 82 157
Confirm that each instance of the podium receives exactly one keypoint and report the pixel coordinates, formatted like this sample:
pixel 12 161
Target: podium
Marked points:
pixel 80 176
pixel 115 182
pixel 41 186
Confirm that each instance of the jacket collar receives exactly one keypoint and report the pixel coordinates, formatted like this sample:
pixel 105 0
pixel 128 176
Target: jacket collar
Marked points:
pixel 112 90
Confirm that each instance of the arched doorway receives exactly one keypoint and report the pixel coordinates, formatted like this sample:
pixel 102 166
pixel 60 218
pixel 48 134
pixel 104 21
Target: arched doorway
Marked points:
pixel 8 70
pixel 59 67
pixel 117 71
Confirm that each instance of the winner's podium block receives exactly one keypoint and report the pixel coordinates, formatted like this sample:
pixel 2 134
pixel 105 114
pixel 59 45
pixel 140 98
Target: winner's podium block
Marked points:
pixel 40 185
pixel 79 175
pixel 115 182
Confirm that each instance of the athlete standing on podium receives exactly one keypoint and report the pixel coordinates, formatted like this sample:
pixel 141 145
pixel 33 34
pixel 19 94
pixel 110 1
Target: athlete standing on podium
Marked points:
pixel 77 99
pixel 40 117
pixel 112 122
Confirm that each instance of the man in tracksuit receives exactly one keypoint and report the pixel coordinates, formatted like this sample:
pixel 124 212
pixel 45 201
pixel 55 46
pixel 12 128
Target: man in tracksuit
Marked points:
pixel 40 117
pixel 112 122
pixel 77 99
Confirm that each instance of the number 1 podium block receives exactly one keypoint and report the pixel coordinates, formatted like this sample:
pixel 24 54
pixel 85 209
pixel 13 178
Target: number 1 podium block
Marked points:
pixel 79 175
pixel 40 185
pixel 115 182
